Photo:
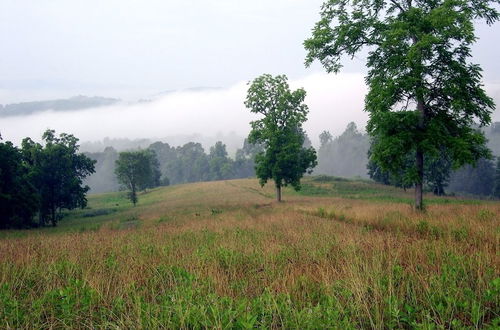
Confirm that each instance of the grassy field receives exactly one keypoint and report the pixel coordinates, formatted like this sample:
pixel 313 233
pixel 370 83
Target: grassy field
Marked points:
pixel 338 254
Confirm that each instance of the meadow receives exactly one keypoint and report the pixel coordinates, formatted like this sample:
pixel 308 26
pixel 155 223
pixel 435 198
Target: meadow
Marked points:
pixel 338 254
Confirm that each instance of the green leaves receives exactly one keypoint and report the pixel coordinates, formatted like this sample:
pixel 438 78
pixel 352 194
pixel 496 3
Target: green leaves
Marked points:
pixel 57 172
pixel 279 131
pixel 418 60
pixel 137 170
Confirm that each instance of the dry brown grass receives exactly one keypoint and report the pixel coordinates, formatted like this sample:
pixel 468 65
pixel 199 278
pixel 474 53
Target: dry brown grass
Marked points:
pixel 378 264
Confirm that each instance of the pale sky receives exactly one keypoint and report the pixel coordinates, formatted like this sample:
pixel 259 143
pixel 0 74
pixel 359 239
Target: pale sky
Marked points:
pixel 134 49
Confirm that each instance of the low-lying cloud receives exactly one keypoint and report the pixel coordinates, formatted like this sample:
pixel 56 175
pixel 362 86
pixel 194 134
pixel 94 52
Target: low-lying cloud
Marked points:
pixel 333 100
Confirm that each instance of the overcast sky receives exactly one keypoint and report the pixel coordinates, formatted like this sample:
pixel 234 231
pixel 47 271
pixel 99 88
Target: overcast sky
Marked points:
pixel 136 49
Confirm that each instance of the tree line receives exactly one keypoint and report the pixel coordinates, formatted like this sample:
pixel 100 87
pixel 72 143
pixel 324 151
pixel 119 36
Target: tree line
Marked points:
pixel 39 181
pixel 348 155
pixel 182 164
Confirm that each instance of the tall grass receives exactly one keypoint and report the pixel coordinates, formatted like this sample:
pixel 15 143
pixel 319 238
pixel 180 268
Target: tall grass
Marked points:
pixel 224 255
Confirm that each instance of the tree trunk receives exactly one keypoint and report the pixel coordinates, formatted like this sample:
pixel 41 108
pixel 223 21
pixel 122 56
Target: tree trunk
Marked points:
pixel 278 193
pixel 419 183
pixel 419 161
pixel 53 215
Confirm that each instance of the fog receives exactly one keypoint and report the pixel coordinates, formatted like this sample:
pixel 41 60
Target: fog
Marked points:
pixel 333 100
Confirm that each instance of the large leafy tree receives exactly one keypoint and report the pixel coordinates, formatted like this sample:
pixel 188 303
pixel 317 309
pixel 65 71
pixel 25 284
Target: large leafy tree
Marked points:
pixel 18 197
pixel 279 131
pixel 424 94
pixel 57 171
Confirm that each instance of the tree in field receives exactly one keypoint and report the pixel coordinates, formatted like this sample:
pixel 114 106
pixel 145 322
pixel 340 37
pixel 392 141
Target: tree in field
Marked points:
pixel 284 159
pixel 424 95
pixel 57 172
pixel 137 170
pixel 496 192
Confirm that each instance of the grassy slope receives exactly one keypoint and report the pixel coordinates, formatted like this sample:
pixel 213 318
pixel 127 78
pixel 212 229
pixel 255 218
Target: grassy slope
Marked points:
pixel 224 254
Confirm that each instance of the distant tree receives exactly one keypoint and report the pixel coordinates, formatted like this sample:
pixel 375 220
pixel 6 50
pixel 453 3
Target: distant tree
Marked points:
pixel 307 141
pixel 345 155
pixel 190 164
pixel 244 164
pixel 18 197
pixel 325 138
pixel 424 95
pixel 166 155
pixel 474 180
pixel 135 171
pixel 155 179
pixel 104 178
pixel 57 171
pixel 437 173
pixel 221 166
pixel 284 160
pixel 496 192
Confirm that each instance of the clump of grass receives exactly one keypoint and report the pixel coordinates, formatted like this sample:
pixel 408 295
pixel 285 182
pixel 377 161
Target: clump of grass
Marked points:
pixel 331 215
pixel 486 215
pixel 215 211
pixel 97 212
pixel 424 228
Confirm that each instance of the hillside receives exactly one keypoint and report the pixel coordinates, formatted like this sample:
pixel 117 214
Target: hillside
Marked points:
pixel 342 254
pixel 74 103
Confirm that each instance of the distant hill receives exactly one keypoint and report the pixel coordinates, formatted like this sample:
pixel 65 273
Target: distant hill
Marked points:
pixel 74 103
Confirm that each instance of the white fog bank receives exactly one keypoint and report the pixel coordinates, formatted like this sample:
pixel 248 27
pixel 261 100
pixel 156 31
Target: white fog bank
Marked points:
pixel 333 100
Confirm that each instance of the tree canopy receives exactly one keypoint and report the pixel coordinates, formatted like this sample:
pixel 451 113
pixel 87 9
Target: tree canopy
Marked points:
pixel 279 131
pixel 424 94
pixel 18 197
pixel 137 170
pixel 57 171
pixel 42 179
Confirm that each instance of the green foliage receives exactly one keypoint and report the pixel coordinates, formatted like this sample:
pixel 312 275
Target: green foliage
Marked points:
pixel 418 55
pixel 284 160
pixel 18 197
pixel 496 192
pixel 57 172
pixel 221 166
pixel 244 164
pixel 437 173
pixel 137 170
pixel 189 164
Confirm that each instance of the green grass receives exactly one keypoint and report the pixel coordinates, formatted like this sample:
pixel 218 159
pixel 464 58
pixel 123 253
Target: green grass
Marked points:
pixel 338 254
